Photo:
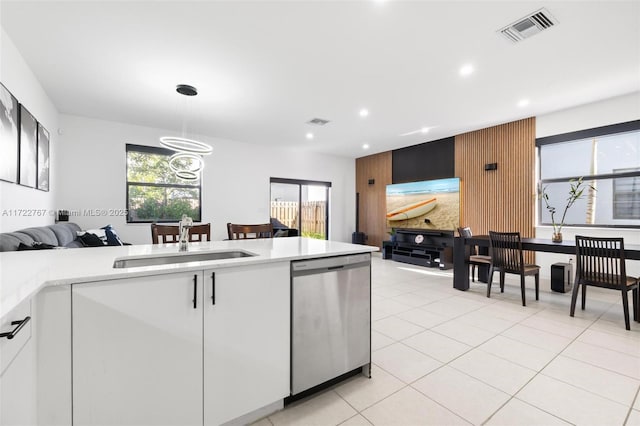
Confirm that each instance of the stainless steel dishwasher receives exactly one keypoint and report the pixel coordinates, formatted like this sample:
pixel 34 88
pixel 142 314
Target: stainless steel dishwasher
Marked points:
pixel 330 319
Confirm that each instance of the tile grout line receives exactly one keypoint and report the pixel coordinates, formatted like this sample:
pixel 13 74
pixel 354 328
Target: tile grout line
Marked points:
pixel 438 403
pixel 354 416
pixel 613 350
pixel 443 364
pixel 459 341
pixel 481 381
pixel 477 346
pixel 626 419
pixel 587 390
pixel 475 378
pixel 334 390
pixel 599 366
pixel 418 325
pixel 551 332
pixel 408 385
pixel 540 373
pixel 462 354
pixel 530 405
pixel 378 402
pixel 594 321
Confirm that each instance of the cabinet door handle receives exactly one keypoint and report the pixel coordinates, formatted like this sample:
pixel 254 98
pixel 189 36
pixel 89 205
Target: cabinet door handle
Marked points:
pixel 213 288
pixel 19 324
pixel 195 291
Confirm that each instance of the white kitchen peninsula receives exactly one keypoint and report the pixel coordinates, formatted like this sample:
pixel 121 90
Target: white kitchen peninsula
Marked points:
pixel 198 342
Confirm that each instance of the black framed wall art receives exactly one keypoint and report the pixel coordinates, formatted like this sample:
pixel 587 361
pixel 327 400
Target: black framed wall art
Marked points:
pixel 8 136
pixel 28 148
pixel 43 158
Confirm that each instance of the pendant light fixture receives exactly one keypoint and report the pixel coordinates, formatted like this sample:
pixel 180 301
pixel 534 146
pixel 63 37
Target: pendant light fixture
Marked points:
pixel 187 162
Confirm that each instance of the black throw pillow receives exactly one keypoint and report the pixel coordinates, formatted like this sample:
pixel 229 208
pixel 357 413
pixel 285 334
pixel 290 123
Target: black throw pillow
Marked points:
pixel 35 246
pixel 90 240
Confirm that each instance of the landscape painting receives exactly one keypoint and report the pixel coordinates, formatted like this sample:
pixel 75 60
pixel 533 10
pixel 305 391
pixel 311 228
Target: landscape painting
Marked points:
pixel 431 204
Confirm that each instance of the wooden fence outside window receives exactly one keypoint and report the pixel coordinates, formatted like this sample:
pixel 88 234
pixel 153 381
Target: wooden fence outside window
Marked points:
pixel 313 213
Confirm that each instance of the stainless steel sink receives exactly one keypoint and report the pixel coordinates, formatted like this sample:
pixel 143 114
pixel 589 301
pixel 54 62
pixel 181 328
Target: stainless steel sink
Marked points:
pixel 132 262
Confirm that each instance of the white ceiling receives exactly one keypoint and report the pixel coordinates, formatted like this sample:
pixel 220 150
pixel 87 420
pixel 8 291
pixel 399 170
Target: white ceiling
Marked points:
pixel 264 68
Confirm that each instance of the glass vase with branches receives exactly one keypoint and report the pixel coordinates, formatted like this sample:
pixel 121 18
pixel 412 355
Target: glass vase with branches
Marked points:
pixel 576 192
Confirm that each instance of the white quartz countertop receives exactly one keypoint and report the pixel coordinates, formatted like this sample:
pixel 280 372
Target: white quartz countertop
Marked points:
pixel 24 273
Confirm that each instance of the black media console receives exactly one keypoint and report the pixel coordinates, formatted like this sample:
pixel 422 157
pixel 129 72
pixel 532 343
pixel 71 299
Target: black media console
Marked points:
pixel 424 247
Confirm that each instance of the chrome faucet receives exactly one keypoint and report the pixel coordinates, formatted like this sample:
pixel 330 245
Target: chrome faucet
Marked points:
pixel 184 225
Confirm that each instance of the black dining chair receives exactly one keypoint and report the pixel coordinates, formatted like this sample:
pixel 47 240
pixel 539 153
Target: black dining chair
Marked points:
pixel 600 262
pixel 507 258
pixel 475 259
pixel 161 234
pixel 242 232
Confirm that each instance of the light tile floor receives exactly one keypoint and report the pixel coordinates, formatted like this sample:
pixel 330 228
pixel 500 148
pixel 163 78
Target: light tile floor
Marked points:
pixel 445 357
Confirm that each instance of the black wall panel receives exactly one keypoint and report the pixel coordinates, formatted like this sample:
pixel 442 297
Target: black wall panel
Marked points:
pixel 429 160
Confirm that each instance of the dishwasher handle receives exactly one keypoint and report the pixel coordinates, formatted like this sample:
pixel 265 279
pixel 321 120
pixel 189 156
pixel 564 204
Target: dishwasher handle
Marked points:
pixel 330 269
pixel 331 263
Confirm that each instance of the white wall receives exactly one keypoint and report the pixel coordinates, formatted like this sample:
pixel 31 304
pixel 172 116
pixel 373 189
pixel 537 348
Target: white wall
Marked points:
pixel 91 174
pixel 18 78
pixel 610 111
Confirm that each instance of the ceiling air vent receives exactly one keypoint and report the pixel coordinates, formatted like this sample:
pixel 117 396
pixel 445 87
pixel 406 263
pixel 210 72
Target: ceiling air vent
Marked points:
pixel 318 121
pixel 528 26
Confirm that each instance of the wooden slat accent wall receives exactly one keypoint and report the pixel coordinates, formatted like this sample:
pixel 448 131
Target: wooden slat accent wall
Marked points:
pixel 373 197
pixel 502 199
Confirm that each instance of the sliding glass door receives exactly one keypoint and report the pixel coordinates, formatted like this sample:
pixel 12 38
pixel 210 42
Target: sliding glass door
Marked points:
pixel 302 205
pixel 285 204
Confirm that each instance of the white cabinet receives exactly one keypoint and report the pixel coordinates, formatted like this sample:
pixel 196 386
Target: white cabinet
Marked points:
pixel 52 327
pixel 181 349
pixel 137 351
pixel 246 340
pixel 17 369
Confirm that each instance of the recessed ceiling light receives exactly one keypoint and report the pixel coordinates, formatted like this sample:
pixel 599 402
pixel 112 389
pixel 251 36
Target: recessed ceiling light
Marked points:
pixel 466 70
pixel 422 130
pixel 309 135
pixel 365 146
pixel 523 103
pixel 364 112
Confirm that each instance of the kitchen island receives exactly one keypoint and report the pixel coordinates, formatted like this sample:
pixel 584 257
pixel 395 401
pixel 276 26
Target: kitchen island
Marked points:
pixel 195 342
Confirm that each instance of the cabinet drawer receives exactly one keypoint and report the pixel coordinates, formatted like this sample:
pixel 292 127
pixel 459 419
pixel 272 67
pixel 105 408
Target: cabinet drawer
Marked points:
pixel 9 348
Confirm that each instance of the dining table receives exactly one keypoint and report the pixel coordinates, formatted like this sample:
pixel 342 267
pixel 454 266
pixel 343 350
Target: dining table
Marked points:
pixel 462 248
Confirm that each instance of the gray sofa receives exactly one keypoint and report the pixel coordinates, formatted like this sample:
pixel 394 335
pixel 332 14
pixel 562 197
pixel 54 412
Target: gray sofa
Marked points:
pixel 61 234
